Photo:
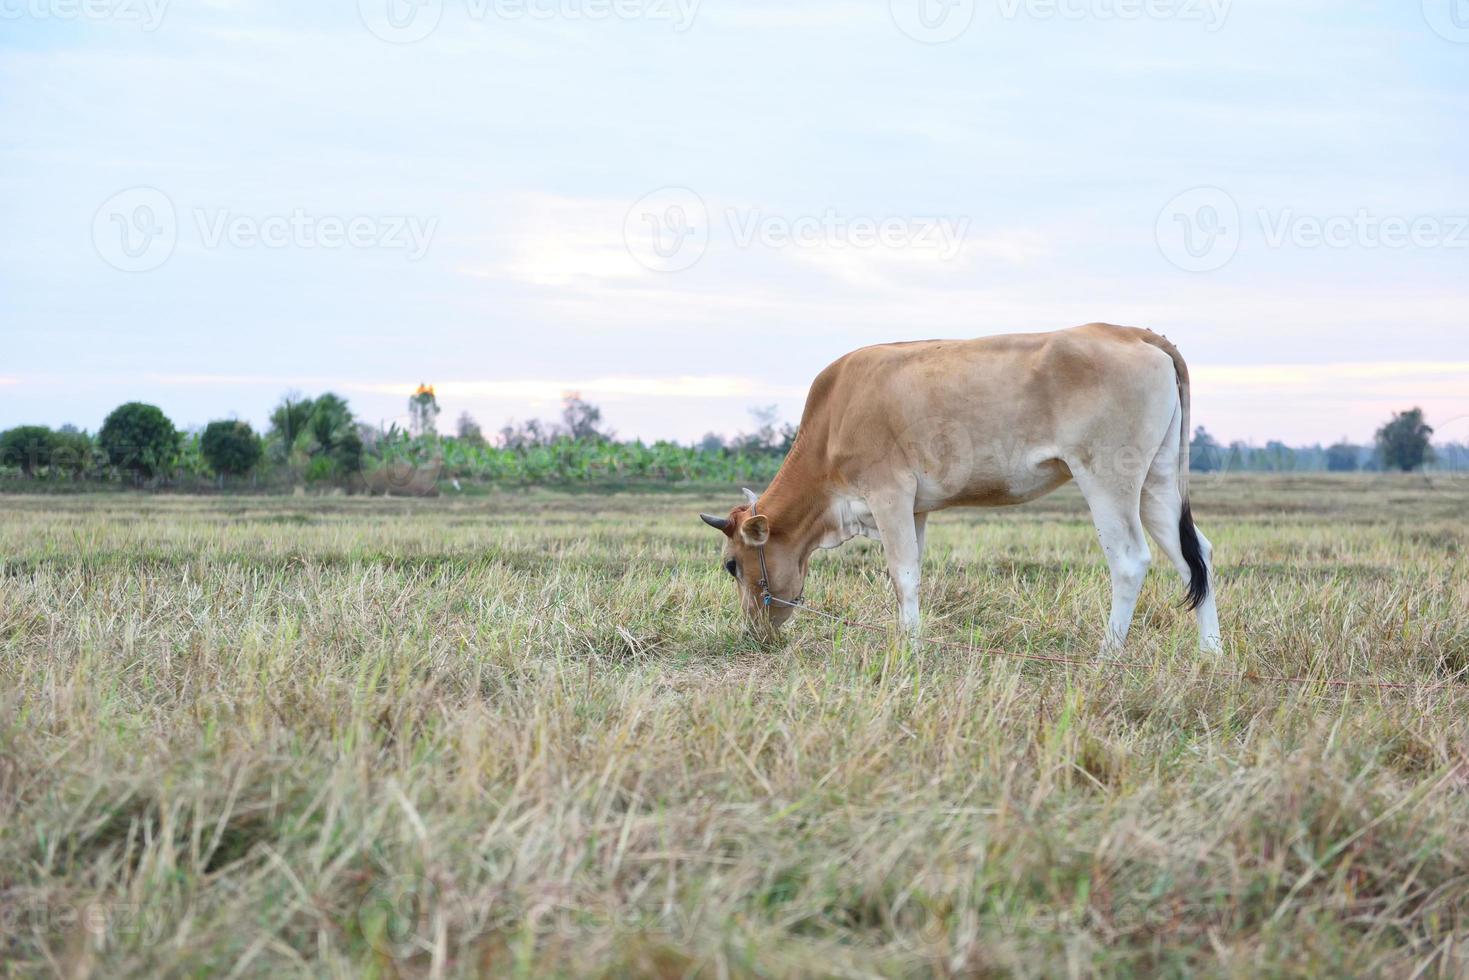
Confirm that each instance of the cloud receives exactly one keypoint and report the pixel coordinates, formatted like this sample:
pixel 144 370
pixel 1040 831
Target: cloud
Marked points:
pixel 1310 373
pixel 784 17
pixel 611 388
pixel 1320 402
pixel 561 241
pixel 236 380
pixel 1361 383
pixel 606 388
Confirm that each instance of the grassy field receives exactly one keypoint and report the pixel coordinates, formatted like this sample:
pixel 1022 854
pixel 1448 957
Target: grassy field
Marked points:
pixel 522 734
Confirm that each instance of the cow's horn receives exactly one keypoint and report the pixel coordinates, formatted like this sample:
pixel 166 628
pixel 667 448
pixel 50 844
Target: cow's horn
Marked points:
pixel 751 495
pixel 718 523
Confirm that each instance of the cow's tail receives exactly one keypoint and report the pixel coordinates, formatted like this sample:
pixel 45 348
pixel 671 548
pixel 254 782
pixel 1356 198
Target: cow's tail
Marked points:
pixel 1188 536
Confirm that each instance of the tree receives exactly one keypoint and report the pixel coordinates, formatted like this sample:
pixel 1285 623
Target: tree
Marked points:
pixel 27 447
pixel 1204 452
pixel 468 430
pixel 582 420
pixel 319 431
pixel 72 454
pixel 1341 457
pixel 423 411
pixel 527 434
pixel 768 437
pixel 1403 442
pixel 291 417
pixel 1238 458
pixel 1278 457
pixel 230 447
pixel 139 439
pixel 335 435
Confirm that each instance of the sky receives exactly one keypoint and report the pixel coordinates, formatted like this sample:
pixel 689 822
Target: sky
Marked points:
pixel 686 208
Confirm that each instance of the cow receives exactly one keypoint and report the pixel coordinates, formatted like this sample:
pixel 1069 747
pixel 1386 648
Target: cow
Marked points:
pixel 893 432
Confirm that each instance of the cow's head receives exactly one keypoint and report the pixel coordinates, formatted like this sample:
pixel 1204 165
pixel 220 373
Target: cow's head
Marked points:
pixel 746 536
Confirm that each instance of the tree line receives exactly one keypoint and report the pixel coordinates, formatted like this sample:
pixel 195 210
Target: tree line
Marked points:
pixel 1402 444
pixel 319 442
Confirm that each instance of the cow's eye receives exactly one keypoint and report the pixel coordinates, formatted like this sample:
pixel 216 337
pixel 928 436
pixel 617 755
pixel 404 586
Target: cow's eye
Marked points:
pixel 729 566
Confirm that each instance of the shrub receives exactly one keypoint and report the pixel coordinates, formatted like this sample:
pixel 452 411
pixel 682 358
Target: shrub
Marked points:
pixel 230 447
pixel 1402 443
pixel 27 447
pixel 139 439
pixel 1342 457
pixel 72 453
pixel 318 434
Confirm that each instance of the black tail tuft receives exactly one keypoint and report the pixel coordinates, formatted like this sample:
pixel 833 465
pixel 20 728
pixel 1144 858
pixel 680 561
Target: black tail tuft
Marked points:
pixel 1198 571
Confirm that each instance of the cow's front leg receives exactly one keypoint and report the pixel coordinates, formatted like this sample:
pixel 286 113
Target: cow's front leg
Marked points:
pixel 901 545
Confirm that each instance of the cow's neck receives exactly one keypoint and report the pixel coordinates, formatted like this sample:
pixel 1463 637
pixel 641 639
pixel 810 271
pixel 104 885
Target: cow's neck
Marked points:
pixel 798 502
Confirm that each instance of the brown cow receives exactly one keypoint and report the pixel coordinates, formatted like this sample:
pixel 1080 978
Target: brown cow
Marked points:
pixel 893 432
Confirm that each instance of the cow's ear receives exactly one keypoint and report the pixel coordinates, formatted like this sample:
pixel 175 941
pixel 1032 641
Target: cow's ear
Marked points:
pixel 756 531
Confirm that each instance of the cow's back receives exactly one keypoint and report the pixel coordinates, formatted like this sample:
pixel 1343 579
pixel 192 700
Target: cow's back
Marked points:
pixel 988 406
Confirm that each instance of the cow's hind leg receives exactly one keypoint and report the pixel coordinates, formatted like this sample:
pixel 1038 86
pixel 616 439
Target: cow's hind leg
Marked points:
pixel 1114 503
pixel 1163 516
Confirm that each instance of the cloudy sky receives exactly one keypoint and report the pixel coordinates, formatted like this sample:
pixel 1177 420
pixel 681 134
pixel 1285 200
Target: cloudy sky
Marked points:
pixel 684 209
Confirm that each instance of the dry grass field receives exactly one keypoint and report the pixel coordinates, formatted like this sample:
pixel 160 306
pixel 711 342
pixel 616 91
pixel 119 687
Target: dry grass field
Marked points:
pixel 523 735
